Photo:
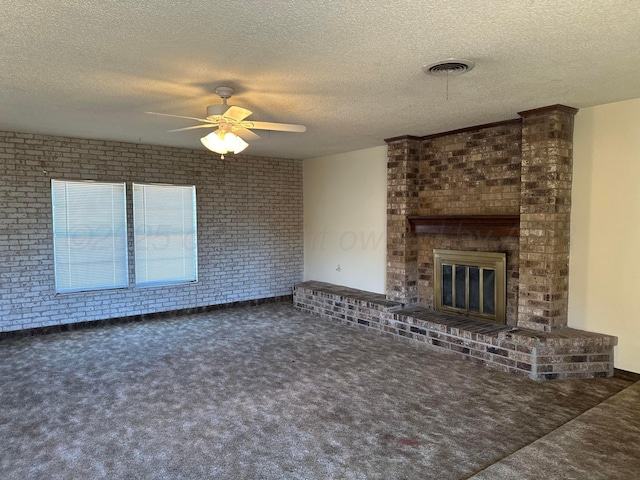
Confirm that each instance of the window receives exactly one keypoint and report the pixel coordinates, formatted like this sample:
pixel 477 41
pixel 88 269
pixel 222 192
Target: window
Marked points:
pixel 89 235
pixel 164 219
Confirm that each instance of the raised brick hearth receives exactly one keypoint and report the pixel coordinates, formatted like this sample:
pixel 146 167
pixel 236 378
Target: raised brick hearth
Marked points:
pixel 538 355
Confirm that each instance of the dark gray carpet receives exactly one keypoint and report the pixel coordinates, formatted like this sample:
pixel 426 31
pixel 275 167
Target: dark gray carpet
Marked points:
pixel 603 443
pixel 265 392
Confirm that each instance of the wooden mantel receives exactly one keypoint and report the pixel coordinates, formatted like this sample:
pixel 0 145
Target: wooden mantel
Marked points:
pixel 486 225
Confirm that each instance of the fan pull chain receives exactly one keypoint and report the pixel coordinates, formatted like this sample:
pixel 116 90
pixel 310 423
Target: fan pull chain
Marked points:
pixel 447 97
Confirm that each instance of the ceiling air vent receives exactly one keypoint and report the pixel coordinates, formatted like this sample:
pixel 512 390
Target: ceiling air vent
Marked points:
pixel 451 66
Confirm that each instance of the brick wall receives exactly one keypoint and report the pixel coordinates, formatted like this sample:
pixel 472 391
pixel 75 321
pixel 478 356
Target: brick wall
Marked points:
pixel 474 172
pixel 402 200
pixel 520 166
pixel 547 164
pixel 250 236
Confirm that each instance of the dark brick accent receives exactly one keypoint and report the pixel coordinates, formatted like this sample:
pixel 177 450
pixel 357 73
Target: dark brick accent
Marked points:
pixel 419 331
pixel 524 366
pixel 497 351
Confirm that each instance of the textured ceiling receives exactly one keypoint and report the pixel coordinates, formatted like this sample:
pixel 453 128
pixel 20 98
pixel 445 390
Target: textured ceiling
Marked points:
pixel 348 70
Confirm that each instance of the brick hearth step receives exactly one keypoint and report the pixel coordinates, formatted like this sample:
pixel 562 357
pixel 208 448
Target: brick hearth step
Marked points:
pixel 562 354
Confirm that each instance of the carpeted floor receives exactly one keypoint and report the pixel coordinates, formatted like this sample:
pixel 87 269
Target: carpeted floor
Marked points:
pixel 268 392
pixel 602 443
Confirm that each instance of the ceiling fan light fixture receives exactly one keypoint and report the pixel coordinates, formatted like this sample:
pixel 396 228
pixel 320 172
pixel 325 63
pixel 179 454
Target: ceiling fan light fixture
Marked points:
pixel 222 142
pixel 234 142
pixel 228 118
pixel 214 143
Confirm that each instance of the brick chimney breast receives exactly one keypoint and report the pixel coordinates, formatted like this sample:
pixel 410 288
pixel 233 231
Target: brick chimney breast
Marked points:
pixel 545 210
pixel 516 167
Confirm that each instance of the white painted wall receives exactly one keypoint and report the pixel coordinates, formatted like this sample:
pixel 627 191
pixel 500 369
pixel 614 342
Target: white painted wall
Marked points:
pixel 345 225
pixel 604 274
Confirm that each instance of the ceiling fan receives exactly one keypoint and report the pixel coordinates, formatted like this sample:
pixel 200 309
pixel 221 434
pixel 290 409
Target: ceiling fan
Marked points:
pixel 233 130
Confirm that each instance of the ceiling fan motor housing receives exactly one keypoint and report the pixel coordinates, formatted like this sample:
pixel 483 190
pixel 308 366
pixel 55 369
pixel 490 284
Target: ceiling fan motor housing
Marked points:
pixel 224 92
pixel 218 110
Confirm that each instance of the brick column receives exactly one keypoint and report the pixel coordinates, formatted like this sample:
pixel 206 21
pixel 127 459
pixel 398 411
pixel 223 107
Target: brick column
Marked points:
pixel 402 200
pixel 547 145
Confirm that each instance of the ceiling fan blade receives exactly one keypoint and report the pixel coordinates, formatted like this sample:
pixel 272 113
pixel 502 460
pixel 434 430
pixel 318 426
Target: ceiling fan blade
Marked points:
pixel 204 125
pixel 237 113
pixel 279 127
pixel 245 134
pixel 179 116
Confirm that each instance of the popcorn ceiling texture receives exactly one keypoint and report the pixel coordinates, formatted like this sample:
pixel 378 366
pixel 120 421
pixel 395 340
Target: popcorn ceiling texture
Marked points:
pixel 250 239
pixel 349 71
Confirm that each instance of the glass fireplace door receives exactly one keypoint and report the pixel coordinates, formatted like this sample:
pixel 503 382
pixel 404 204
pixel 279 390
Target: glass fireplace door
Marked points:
pixel 471 283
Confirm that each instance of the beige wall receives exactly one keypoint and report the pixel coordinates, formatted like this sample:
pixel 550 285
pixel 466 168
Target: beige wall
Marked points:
pixel 345 203
pixel 604 278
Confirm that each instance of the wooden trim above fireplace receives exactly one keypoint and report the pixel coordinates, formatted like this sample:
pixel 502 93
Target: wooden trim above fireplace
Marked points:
pixel 487 225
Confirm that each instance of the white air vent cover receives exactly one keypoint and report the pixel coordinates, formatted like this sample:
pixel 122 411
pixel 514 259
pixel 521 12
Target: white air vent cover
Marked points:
pixel 451 66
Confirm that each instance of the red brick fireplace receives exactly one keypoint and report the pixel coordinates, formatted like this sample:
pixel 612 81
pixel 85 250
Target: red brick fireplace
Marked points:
pixel 516 168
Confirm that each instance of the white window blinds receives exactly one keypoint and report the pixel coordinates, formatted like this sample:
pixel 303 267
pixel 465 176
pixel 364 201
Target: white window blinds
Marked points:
pixel 164 218
pixel 90 235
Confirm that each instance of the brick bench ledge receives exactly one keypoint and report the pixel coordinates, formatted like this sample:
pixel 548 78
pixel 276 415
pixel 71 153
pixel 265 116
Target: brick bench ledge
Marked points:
pixel 565 354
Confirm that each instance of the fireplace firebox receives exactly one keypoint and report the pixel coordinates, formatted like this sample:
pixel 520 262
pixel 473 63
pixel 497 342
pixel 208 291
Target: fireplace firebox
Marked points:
pixel 471 284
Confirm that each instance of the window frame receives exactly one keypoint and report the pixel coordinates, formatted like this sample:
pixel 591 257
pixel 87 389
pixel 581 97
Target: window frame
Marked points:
pixel 120 252
pixel 138 238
